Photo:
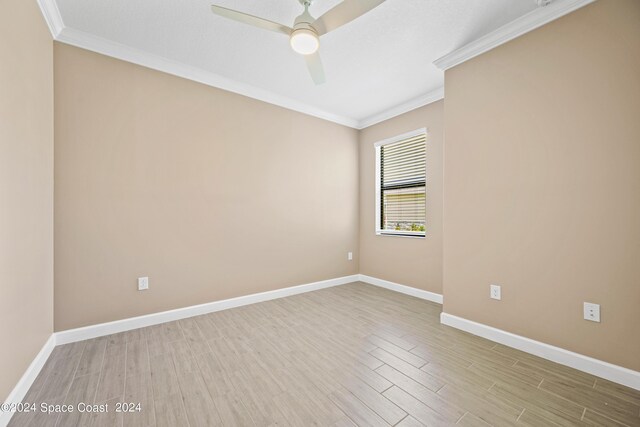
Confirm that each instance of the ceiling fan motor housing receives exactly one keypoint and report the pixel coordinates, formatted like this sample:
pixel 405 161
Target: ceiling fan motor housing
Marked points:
pixel 304 35
pixel 304 38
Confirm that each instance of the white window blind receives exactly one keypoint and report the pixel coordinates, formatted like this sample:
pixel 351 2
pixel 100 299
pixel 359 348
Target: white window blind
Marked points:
pixel 402 186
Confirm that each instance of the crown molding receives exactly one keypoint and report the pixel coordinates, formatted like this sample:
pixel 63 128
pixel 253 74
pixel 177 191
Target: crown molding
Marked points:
pixel 126 53
pixel 412 104
pixel 103 46
pixel 123 52
pixel 52 16
pixel 510 31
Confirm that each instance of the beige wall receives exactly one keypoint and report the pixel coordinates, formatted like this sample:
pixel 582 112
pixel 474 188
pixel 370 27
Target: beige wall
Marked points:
pixel 211 194
pixel 542 183
pixel 408 261
pixel 26 188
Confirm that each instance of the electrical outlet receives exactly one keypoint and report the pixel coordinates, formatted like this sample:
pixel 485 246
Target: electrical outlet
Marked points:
pixel 143 283
pixel 350 256
pixel 592 312
pixel 495 292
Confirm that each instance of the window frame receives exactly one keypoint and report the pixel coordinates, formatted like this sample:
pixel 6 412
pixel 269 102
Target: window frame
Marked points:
pixel 378 189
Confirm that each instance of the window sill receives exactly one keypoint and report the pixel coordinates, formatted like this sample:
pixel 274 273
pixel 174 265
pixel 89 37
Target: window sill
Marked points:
pixel 410 236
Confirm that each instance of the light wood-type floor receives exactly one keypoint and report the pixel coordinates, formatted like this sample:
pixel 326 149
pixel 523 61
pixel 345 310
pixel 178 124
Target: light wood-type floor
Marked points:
pixel 350 355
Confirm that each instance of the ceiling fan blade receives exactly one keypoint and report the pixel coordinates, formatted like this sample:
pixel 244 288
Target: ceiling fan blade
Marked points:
pixel 250 19
pixel 314 64
pixel 343 13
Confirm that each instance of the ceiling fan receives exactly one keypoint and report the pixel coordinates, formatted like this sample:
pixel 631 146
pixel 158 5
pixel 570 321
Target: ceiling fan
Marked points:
pixel 304 36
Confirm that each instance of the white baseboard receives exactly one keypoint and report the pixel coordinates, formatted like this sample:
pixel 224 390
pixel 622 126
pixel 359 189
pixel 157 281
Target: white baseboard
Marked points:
pixel 408 290
pixel 102 329
pixel 20 390
pixel 596 367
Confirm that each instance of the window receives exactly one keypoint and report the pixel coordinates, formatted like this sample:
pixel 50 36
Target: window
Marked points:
pixel 401 185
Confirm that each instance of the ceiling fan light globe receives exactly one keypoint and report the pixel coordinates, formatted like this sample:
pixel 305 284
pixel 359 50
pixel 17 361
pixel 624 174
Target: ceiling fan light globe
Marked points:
pixel 304 41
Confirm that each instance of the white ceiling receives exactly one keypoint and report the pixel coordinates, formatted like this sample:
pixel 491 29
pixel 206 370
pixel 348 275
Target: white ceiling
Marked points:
pixel 377 62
